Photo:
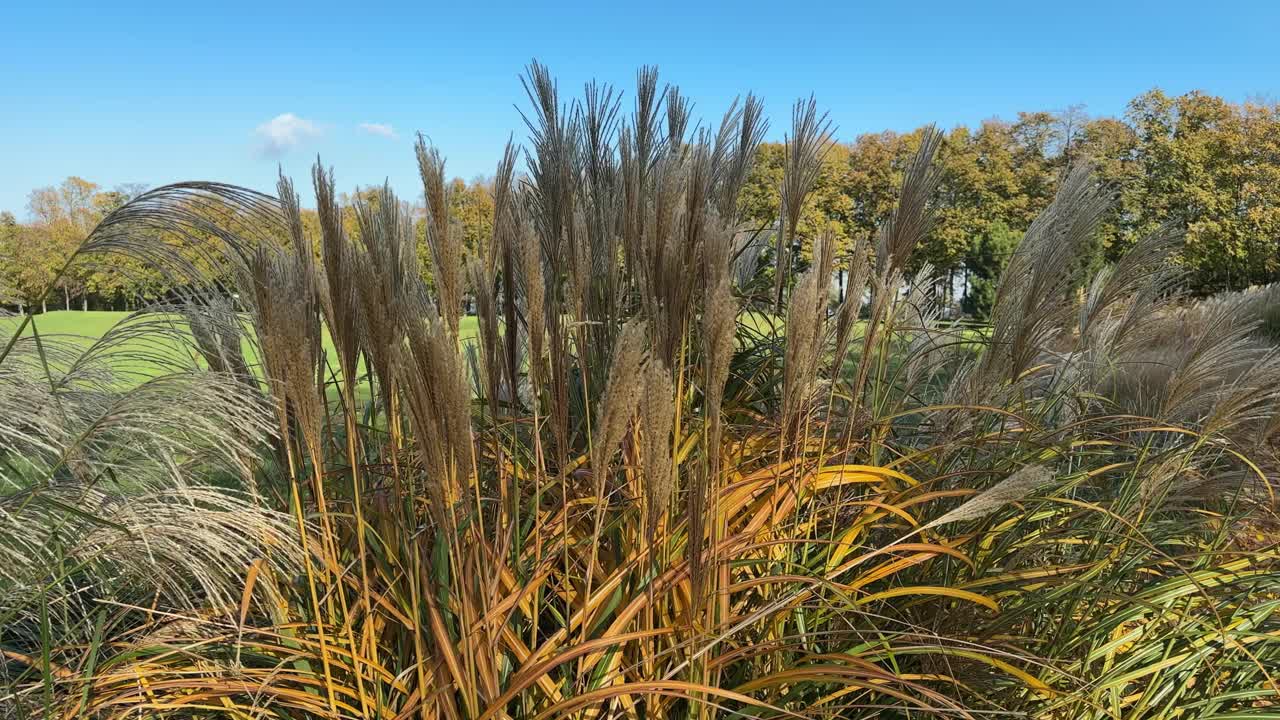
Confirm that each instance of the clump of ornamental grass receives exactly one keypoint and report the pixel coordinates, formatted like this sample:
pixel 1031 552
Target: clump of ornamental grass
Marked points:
pixel 621 499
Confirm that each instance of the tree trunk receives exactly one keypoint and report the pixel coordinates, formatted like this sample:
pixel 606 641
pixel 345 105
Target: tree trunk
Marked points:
pixel 84 302
pixel 44 306
pixel 951 292
pixel 66 298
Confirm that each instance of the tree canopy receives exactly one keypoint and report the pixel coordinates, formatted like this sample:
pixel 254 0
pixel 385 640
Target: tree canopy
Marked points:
pixel 1209 166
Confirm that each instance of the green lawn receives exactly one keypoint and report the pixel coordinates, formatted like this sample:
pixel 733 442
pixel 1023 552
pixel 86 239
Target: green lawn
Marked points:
pixel 87 327
pixel 92 324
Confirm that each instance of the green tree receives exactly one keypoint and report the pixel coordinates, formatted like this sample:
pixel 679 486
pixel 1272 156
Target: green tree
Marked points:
pixel 9 293
pixel 830 207
pixel 471 212
pixel 987 257
pixel 64 216
pixel 31 259
pixel 1210 167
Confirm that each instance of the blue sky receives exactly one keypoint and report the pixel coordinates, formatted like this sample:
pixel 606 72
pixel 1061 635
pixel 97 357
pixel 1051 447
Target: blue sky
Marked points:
pixel 122 92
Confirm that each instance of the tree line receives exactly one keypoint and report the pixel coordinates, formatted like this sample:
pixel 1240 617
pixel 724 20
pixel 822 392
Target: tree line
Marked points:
pixel 32 254
pixel 1207 165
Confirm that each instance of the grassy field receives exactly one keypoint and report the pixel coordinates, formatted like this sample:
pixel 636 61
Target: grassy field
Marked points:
pixel 91 324
pixel 86 327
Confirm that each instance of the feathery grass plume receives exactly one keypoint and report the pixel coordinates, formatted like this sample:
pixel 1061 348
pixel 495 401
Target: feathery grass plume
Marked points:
pixel 639 146
pixel 851 305
pixel 217 332
pixel 646 118
pixel 1249 395
pixel 1119 318
pixel 340 298
pixel 66 408
pixel 618 402
pixel 444 241
pixel 673 244
pixel 550 204
pixel 916 318
pixel 1213 359
pixel 286 317
pixel 1142 277
pixel 598 116
pixel 807 145
pixel 657 419
pixel 483 285
pixel 824 259
pixel 438 398
pixel 1032 302
pixel 32 414
pixel 717 251
pixel 741 131
pixel 387 282
pixel 660 256
pixel 281 287
pixel 189 233
pixel 703 496
pixel 914 216
pixel 806 323
pixel 1259 303
pixel 505 201
pixel 554 138
pixel 617 405
pixel 719 321
pixel 599 194
pixel 340 306
pixel 718 324
pixel 699 176
pixel 145 554
pixel 803 343
pixel 749 248
pixel 182 544
pixel 503 250
pixel 1012 489
pixel 192 234
pixel 678 110
pixel 105 493
pixel 896 239
pixel 597 276
pixel 218 427
pixel 533 290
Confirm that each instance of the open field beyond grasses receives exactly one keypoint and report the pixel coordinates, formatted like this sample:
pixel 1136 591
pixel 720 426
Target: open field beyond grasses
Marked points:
pixel 86 327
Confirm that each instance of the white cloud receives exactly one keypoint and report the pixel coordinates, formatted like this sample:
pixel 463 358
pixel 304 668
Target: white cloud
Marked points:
pixel 284 132
pixel 382 129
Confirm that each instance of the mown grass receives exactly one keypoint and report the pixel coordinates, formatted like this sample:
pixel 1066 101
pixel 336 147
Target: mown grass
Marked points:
pixel 83 328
